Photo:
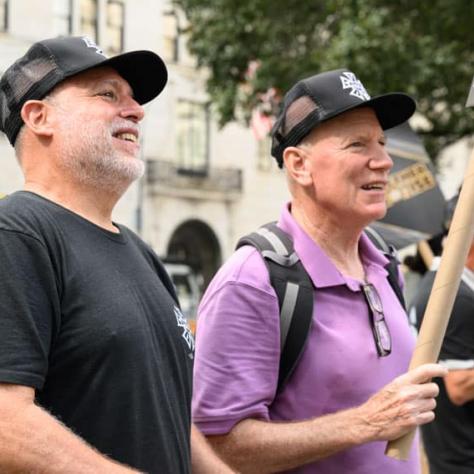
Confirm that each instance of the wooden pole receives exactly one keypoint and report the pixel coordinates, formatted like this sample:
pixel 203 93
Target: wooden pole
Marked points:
pixel 443 293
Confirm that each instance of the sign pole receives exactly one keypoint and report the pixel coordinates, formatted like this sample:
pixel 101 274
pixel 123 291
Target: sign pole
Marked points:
pixel 445 288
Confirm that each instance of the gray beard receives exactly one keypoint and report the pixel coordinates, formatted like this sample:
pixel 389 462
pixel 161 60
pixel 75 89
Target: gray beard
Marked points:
pixel 90 157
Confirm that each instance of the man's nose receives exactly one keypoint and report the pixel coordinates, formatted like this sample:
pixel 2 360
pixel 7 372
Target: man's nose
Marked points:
pixel 381 159
pixel 132 110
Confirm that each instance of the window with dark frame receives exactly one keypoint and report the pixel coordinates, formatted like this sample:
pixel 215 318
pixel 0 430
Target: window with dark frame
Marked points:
pixel 3 16
pixel 171 32
pixel 115 26
pixel 193 136
pixel 265 162
pixel 89 19
pixel 62 20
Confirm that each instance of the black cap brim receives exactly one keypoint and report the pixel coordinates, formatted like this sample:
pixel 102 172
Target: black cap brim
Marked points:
pixel 392 109
pixel 143 70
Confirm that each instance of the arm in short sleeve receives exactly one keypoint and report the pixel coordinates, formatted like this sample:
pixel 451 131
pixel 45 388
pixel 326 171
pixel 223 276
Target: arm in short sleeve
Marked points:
pixel 237 356
pixel 29 308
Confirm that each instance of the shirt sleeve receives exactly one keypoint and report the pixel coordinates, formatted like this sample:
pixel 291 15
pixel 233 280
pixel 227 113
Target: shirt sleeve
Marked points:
pixel 237 353
pixel 29 309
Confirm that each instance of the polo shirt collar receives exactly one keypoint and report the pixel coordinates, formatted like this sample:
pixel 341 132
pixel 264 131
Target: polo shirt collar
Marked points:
pixel 319 266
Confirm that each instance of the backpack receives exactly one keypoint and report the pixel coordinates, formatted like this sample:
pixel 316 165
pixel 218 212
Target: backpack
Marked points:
pixel 294 288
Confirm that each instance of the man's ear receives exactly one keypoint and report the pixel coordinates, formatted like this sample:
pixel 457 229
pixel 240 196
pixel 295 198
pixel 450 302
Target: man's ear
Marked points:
pixel 35 115
pixel 297 165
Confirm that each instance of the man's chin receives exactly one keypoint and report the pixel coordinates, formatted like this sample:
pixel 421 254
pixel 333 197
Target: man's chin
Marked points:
pixel 130 167
pixel 381 214
pixel 375 213
pixel 119 175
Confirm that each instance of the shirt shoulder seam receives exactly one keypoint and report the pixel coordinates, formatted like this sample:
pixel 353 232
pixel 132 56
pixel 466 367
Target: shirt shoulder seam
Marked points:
pixel 25 234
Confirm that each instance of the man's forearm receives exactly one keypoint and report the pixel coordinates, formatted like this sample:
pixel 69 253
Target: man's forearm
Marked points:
pixel 254 446
pixel 31 440
pixel 204 458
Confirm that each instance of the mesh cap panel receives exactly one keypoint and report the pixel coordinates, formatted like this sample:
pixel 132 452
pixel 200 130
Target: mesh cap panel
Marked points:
pixel 25 80
pixel 29 75
pixel 4 109
pixel 296 113
pixel 28 78
pixel 296 121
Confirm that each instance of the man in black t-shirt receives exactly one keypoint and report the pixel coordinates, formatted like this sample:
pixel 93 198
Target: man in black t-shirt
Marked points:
pixel 449 439
pixel 91 333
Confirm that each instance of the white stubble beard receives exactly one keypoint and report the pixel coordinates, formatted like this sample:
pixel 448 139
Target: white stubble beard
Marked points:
pixel 95 161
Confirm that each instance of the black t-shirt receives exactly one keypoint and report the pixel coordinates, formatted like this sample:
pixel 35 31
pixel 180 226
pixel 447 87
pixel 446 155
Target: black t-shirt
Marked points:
pixel 449 439
pixel 87 320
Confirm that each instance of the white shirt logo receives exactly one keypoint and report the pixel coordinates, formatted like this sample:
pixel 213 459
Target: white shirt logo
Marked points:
pixel 92 44
pixel 350 81
pixel 187 335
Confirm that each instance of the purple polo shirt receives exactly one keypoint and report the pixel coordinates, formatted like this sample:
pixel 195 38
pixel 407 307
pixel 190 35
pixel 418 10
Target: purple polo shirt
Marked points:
pixel 237 350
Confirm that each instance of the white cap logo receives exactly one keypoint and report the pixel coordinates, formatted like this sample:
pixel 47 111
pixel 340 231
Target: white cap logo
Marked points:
pixel 350 81
pixel 92 44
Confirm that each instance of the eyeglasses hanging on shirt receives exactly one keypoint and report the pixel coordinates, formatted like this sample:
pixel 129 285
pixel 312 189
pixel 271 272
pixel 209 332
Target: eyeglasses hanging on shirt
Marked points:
pixel 382 338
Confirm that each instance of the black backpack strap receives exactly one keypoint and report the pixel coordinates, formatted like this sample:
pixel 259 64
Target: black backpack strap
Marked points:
pixel 293 288
pixel 393 262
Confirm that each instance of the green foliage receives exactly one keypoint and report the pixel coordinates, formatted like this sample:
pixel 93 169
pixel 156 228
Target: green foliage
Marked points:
pixel 422 47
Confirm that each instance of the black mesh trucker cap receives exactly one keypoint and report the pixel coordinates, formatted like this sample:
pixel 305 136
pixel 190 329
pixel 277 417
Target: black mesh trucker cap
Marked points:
pixel 49 62
pixel 318 98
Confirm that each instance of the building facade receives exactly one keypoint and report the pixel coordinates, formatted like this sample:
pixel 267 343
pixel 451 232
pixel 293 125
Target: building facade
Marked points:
pixel 204 186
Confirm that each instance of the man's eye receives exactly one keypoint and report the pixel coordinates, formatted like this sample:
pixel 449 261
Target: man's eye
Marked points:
pixel 109 94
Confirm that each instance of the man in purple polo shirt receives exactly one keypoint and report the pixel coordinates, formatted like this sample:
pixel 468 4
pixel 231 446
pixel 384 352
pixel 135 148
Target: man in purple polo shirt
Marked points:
pixel 350 391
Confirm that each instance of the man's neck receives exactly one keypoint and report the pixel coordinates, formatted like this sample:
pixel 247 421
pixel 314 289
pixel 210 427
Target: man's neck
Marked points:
pixel 93 205
pixel 338 241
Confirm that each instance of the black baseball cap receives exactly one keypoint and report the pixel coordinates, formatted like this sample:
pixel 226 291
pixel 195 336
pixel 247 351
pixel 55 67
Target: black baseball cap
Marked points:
pixel 51 61
pixel 318 98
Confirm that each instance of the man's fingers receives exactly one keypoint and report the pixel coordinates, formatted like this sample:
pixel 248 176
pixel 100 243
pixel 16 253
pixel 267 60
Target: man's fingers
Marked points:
pixel 405 403
pixel 422 374
pixel 424 405
pixel 425 418
pixel 427 390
